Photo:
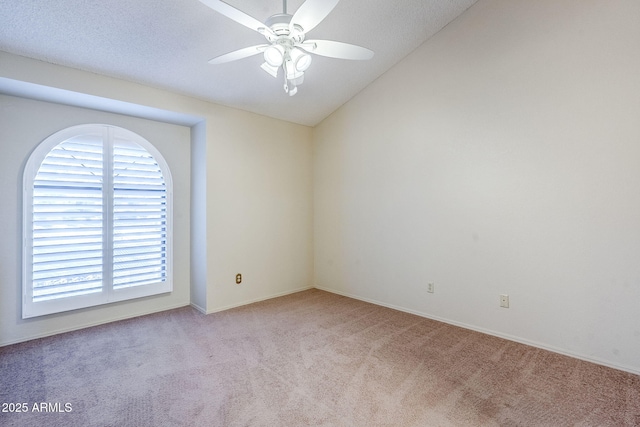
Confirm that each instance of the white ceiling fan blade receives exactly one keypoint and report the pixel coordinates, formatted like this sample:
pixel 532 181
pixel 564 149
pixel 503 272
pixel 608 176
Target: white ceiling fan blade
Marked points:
pixel 336 49
pixel 237 15
pixel 239 54
pixel 311 13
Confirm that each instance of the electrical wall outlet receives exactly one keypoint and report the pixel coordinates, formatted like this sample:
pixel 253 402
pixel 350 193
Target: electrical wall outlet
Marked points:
pixel 504 301
pixel 430 288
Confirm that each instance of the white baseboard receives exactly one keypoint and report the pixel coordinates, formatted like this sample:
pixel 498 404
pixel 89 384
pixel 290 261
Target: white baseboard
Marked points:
pixel 197 307
pixel 240 304
pixel 597 361
pixel 88 325
pixel 124 317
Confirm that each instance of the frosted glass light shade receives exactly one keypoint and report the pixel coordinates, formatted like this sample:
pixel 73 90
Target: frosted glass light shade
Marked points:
pixel 274 55
pixel 301 60
pixel 270 69
pixel 291 71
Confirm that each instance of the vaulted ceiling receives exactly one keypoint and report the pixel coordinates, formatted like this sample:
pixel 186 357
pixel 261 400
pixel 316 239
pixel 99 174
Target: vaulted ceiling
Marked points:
pixel 167 43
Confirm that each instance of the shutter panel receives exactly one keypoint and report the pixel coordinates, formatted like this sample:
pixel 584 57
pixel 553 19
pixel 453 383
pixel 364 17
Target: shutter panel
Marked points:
pixel 139 217
pixel 68 220
pixel 97 220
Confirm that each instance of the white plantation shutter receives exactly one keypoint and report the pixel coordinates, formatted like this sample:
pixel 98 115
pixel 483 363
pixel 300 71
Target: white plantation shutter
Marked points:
pixel 67 220
pixel 139 217
pixel 97 220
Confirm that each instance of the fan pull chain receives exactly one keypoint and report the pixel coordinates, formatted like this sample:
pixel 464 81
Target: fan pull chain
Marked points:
pixel 286 82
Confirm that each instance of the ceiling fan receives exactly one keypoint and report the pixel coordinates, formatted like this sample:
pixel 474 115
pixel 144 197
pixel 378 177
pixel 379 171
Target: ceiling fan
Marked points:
pixel 287 47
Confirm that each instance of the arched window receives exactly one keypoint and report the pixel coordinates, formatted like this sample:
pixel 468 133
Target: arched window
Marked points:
pixel 97 220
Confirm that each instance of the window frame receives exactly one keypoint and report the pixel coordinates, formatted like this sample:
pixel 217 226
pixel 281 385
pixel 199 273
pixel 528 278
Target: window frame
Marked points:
pixel 108 294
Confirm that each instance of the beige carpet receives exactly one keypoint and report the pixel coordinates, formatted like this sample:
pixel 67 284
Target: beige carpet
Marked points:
pixel 311 358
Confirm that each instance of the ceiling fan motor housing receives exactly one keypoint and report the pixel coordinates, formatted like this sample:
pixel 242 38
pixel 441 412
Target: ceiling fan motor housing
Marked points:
pixel 279 24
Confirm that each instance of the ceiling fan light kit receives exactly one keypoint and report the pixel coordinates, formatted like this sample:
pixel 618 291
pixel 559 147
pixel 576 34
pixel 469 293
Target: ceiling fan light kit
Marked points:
pixel 285 34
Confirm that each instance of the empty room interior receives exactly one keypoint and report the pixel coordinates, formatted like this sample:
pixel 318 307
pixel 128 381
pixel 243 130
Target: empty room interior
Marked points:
pixel 438 225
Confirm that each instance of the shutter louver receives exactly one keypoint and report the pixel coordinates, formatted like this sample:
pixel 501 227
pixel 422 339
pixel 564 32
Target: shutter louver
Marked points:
pixel 139 217
pixel 68 220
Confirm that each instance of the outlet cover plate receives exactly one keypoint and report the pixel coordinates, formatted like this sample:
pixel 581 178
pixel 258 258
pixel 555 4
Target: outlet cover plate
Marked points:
pixel 504 301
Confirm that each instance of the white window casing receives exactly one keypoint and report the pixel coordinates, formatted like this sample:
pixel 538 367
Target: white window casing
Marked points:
pixel 97 219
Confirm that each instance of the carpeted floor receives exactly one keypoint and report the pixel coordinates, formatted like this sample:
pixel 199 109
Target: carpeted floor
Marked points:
pixel 311 358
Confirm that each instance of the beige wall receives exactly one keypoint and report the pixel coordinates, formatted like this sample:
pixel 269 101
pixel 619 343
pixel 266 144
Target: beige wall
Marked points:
pixel 248 198
pixel 502 156
pixel 259 204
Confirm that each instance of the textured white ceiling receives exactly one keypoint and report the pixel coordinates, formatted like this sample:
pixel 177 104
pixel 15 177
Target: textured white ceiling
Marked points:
pixel 167 43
